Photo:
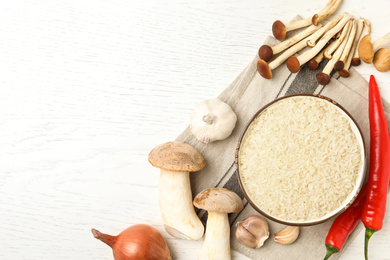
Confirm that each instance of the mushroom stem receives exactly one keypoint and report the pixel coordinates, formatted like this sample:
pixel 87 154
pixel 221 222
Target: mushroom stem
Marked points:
pixel 216 245
pixel 314 62
pixel 334 45
pixel 327 11
pixel 266 52
pixel 180 219
pixel 341 63
pixel 265 69
pixel 279 29
pixel 365 49
pixel 381 42
pixel 323 77
pixel 353 58
pixel 318 34
pixel 294 63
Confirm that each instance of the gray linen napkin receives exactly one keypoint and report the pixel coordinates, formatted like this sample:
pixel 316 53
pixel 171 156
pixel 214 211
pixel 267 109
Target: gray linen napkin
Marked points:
pixel 246 95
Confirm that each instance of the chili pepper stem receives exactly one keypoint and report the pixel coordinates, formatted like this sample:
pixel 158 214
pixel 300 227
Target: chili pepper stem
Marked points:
pixel 369 233
pixel 330 250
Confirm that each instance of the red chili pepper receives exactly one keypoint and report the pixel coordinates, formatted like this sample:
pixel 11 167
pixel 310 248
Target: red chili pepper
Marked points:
pixel 344 224
pixel 375 204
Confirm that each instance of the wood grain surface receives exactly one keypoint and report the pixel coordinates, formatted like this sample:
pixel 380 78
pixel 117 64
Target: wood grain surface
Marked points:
pixel 88 88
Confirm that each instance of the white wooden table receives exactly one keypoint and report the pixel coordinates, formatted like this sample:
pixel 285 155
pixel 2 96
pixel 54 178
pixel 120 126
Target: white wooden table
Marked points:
pixel 88 88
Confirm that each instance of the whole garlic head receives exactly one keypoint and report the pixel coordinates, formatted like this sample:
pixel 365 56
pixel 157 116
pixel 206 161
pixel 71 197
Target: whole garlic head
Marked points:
pixel 212 120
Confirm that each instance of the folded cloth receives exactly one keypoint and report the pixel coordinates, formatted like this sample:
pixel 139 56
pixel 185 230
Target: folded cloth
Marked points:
pixel 246 95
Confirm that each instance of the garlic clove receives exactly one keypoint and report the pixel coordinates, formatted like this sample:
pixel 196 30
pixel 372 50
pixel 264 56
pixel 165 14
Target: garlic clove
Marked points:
pixel 252 232
pixel 287 235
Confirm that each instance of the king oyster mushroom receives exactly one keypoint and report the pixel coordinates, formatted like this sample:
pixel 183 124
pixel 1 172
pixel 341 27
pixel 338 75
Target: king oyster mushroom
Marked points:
pixel 176 160
pixel 218 202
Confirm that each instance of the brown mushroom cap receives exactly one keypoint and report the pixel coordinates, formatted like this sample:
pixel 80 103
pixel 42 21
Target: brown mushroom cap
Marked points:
pixel 339 65
pixel 382 60
pixel 323 78
pixel 279 30
pixel 365 49
pixel 312 64
pixel 177 156
pixel 355 61
pixel 218 200
pixel 266 53
pixel 344 73
pixel 263 69
pixel 314 19
pixel 293 64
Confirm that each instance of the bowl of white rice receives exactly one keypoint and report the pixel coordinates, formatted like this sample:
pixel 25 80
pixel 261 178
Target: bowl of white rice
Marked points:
pixel 301 160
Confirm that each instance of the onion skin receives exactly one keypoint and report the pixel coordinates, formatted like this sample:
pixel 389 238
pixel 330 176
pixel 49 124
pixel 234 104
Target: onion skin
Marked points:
pixel 136 242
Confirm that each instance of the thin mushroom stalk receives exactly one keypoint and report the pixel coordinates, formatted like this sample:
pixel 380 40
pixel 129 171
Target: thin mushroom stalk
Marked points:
pixel 363 24
pixel 359 29
pixel 265 69
pixel 267 52
pixel 318 34
pixel 334 45
pixel 294 63
pixel 218 202
pixel 279 29
pixel 176 160
pixel 323 77
pixel 315 62
pixel 347 49
pixel 327 11
pixel 365 49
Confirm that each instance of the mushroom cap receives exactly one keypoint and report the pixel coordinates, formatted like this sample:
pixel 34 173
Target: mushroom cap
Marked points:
pixel 323 78
pixel 365 49
pixel 263 69
pixel 314 19
pixel 279 30
pixel 344 73
pixel 382 60
pixel 293 64
pixel 177 156
pixel 266 53
pixel 355 61
pixel 312 64
pixel 218 200
pixel 339 65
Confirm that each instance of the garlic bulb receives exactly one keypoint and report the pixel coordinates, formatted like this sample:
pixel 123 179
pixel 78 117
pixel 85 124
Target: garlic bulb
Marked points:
pixel 212 120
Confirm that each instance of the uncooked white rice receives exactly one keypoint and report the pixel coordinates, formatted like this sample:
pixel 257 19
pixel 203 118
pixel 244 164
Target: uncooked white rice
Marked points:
pixel 300 159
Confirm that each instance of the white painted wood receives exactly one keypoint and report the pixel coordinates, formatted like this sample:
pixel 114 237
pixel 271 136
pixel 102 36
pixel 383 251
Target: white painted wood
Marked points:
pixel 88 88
